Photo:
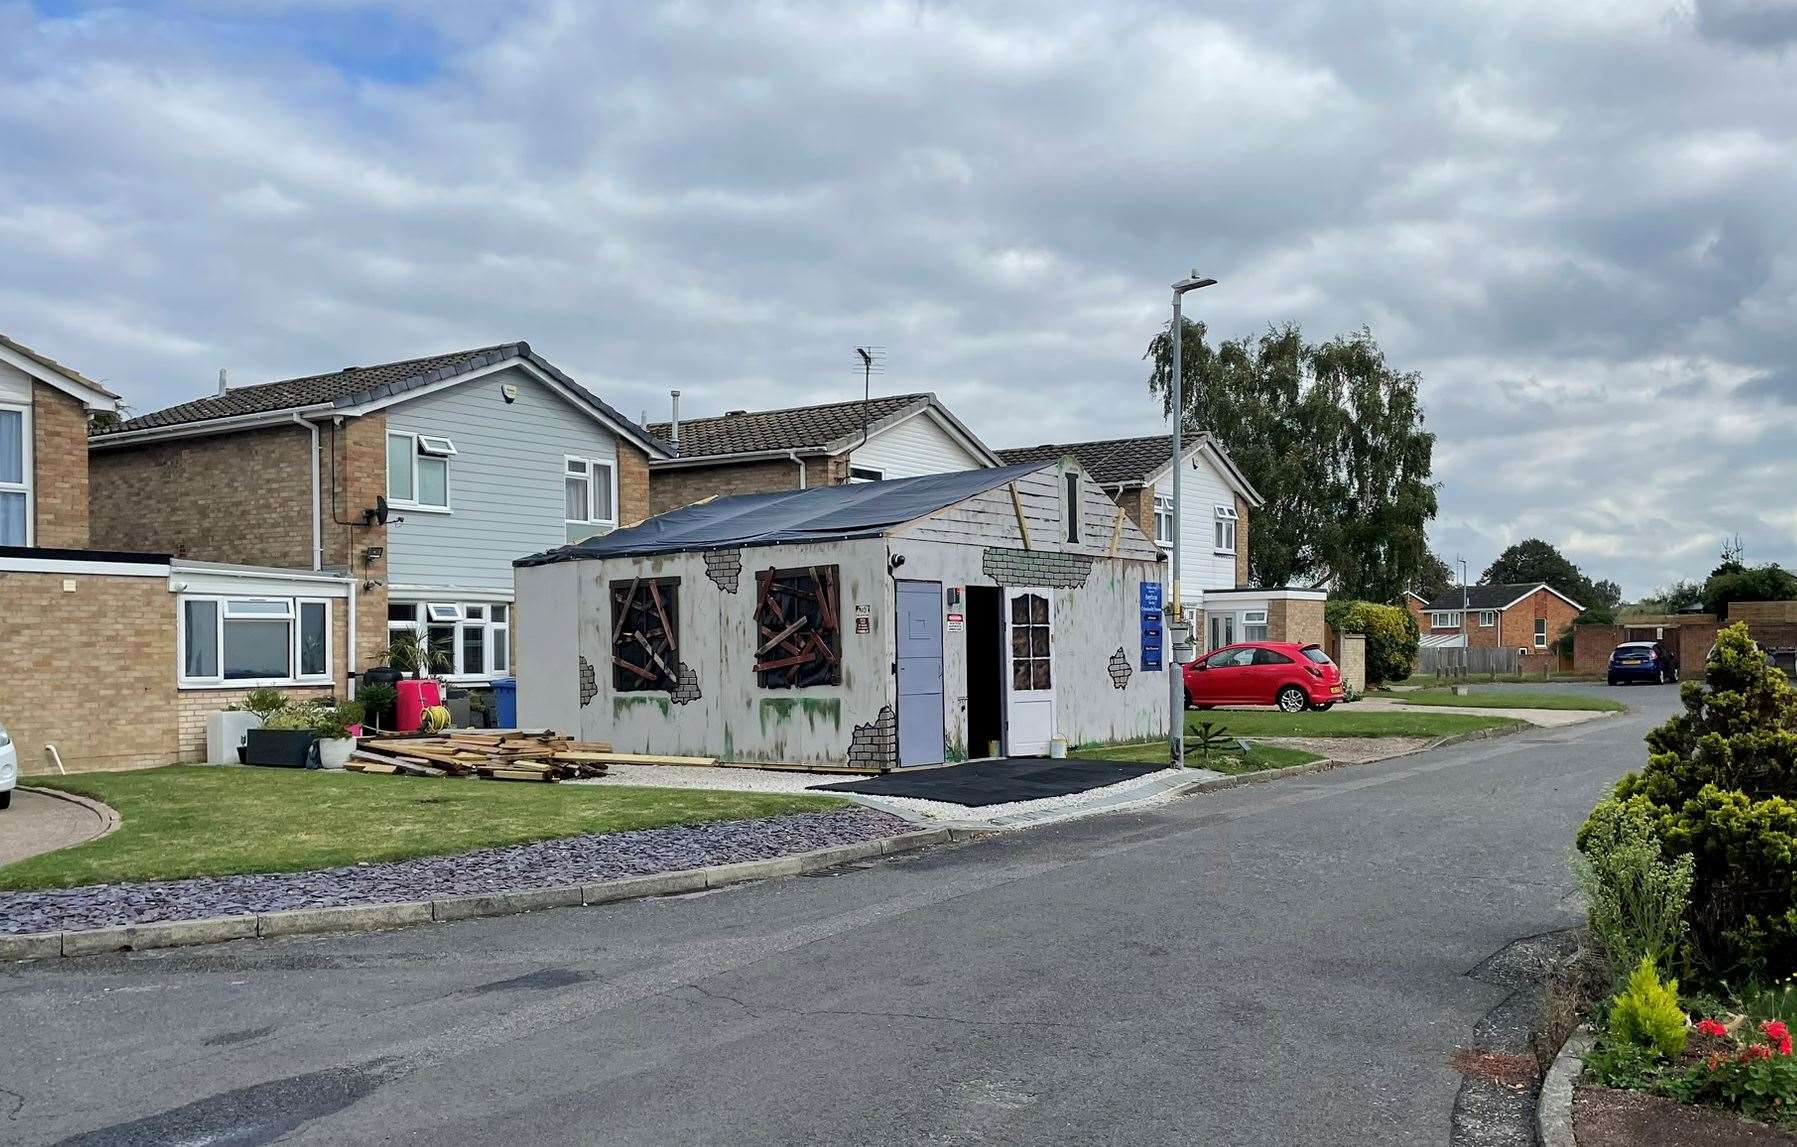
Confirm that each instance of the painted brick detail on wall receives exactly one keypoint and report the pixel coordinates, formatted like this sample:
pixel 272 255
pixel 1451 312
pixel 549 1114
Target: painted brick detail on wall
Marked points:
pixel 241 497
pixel 1035 568
pixel 59 462
pixel 724 568
pixel 875 744
pixel 91 672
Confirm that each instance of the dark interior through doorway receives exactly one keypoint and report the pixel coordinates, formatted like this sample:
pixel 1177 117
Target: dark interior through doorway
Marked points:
pixel 985 671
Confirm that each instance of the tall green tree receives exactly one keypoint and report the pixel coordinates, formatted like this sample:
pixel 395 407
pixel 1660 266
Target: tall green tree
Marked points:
pixel 1770 582
pixel 1533 560
pixel 1434 579
pixel 1333 439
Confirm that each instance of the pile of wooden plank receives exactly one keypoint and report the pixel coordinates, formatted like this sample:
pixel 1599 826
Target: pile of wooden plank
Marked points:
pixel 509 755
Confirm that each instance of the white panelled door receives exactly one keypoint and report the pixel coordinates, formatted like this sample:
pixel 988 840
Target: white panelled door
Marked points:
pixel 1029 686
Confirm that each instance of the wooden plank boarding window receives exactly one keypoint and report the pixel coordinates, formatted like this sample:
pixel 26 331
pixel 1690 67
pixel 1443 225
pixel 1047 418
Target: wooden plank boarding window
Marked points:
pixel 798 621
pixel 645 634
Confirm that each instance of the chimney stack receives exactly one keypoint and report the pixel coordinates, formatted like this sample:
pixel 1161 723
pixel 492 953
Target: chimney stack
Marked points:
pixel 222 386
pixel 674 430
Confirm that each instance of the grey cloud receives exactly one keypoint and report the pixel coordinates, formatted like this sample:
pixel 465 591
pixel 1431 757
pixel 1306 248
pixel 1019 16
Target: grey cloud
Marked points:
pixel 1762 24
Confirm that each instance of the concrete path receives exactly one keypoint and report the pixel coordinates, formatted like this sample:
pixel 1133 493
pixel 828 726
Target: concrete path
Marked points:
pixel 1279 963
pixel 37 823
pixel 1545 718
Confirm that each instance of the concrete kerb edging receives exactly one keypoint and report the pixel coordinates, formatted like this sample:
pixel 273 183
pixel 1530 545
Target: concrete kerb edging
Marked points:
pixel 109 816
pixel 373 917
pixel 1553 1109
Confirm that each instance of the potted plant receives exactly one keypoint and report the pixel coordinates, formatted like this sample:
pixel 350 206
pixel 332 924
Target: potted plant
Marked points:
pixel 284 740
pixel 332 724
pixel 426 661
pixel 482 709
pixel 377 698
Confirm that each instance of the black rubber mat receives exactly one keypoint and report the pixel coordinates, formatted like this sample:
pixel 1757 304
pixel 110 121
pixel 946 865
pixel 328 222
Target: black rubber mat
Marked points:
pixel 995 782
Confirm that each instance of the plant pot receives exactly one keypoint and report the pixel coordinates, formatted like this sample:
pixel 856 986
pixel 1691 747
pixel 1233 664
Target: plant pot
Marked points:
pixel 334 752
pixel 280 748
pixel 225 731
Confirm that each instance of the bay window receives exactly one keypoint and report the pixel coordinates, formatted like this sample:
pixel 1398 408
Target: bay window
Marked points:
pixel 254 640
pixel 589 489
pixel 418 470
pixel 472 637
pixel 15 475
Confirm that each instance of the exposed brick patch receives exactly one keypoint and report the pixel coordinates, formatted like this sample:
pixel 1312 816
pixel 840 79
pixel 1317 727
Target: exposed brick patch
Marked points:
pixel 875 744
pixel 1035 568
pixel 1119 668
pixel 687 687
pixel 589 683
pixel 724 567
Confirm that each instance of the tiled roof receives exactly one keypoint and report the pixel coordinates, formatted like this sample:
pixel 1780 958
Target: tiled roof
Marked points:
pixel 45 360
pixel 1110 460
pixel 1482 596
pixel 354 385
pixel 796 428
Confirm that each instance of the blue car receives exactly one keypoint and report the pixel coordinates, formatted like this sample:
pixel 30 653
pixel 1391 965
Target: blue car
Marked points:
pixel 1642 661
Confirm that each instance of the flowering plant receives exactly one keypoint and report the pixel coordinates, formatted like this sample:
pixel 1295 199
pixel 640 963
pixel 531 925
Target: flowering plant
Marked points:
pixel 1758 1078
pixel 1711 1027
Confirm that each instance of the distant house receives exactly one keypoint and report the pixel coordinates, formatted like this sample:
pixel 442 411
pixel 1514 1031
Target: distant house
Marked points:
pixel 1528 616
pixel 1216 501
pixel 762 451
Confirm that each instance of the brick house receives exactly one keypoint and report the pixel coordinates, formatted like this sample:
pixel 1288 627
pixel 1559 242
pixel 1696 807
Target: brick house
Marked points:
pixel 115 655
pixel 1527 616
pixel 419 481
pixel 761 451
pixel 1216 502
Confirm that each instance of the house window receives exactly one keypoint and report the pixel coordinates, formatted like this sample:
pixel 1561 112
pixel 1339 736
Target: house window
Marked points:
pixel 1541 633
pixel 645 634
pixel 15 476
pixel 1445 620
pixel 1225 529
pixel 418 470
pixel 1072 507
pixel 799 639
pixel 864 474
pixel 1031 663
pixel 1163 520
pixel 589 489
pixel 1487 618
pixel 254 641
pixel 471 639
pixel 1254 625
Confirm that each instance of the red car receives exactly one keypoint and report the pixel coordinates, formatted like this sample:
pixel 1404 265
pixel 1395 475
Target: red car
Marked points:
pixel 1283 673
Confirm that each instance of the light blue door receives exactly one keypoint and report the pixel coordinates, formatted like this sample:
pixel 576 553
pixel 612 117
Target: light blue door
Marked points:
pixel 919 673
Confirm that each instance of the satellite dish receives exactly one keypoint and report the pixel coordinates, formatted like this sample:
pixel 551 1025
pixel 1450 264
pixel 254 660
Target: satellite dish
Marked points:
pixel 380 514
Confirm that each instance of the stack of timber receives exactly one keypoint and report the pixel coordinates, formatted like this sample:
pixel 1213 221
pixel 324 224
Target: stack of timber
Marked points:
pixel 494 756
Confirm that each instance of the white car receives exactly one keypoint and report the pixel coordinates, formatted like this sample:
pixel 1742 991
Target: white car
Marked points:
pixel 9 768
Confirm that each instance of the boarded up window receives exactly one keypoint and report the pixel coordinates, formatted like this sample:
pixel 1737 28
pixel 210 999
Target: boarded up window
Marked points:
pixel 798 622
pixel 645 634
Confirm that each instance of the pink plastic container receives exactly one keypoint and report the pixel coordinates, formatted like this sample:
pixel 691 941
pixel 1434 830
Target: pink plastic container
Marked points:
pixel 414 698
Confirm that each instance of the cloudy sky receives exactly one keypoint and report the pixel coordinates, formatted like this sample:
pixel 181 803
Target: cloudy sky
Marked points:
pixel 1574 219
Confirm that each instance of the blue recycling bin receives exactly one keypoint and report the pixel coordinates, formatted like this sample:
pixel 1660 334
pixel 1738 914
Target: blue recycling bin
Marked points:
pixel 505 700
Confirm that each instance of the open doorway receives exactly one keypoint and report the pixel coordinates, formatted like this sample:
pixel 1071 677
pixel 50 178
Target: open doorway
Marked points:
pixel 985 671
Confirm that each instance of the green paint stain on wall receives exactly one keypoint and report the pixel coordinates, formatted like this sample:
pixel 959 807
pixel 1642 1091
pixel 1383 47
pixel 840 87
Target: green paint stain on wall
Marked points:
pixel 780 710
pixel 623 705
pixel 729 753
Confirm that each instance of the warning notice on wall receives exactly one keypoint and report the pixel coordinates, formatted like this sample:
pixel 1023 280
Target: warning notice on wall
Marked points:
pixel 863 623
pixel 956 622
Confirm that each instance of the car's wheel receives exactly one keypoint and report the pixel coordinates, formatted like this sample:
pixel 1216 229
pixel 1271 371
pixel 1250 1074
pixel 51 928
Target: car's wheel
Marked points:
pixel 1613 682
pixel 1324 707
pixel 1291 699
pixel 1204 708
pixel 6 799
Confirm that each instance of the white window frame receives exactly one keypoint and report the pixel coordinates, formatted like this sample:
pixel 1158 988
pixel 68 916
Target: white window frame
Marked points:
pixel 1541 633
pixel 437 613
pixel 587 466
pixel 1253 618
pixel 1445 619
pixel 866 474
pixel 1163 521
pixel 1487 618
pixel 26 463
pixel 221 603
pixel 1224 529
pixel 438 447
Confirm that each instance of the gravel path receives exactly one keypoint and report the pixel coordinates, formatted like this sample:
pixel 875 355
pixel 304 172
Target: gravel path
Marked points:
pixel 711 777
pixel 571 860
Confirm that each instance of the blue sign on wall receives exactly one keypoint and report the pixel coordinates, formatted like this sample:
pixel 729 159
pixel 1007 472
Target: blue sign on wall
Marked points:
pixel 1152 630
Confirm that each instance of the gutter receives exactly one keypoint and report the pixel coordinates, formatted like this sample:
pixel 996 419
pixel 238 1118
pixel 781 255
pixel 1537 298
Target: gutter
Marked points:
pixel 209 426
pixel 686 460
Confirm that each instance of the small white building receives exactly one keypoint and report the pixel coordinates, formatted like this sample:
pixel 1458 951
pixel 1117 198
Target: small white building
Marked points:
pixel 905 622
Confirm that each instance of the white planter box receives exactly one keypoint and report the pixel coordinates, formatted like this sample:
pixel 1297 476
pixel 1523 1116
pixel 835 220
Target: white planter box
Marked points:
pixel 225 731
pixel 334 754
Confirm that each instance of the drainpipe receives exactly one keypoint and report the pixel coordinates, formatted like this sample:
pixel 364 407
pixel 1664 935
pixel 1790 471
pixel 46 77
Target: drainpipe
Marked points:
pixel 317 521
pixel 350 678
pixel 793 457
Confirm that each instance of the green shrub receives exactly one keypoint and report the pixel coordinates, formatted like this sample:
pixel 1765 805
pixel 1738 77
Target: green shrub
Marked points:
pixel 296 717
pixel 1391 636
pixel 264 702
pixel 1646 1012
pixel 1719 786
pixel 1635 899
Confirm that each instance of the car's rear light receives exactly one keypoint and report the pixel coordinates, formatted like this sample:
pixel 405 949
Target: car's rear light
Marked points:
pixel 1315 672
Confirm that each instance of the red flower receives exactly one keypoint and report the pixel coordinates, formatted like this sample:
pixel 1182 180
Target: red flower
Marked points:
pixel 1779 1034
pixel 1755 1051
pixel 1711 1027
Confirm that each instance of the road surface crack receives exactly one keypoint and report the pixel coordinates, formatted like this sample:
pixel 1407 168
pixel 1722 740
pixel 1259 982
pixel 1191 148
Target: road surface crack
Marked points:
pixel 18 1103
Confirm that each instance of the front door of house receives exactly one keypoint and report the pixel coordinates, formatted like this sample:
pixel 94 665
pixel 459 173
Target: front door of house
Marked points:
pixel 1029 686
pixel 920 723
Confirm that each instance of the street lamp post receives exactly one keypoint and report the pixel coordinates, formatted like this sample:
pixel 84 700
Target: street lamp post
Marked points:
pixel 1175 614
pixel 1466 633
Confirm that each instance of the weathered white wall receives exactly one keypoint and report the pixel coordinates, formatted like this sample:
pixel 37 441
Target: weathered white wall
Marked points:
pixel 546 660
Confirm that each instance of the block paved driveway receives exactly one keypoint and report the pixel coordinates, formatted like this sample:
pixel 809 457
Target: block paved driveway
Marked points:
pixel 1279 963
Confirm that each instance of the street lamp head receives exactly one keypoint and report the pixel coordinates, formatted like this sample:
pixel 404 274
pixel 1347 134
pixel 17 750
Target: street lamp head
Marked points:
pixel 1192 284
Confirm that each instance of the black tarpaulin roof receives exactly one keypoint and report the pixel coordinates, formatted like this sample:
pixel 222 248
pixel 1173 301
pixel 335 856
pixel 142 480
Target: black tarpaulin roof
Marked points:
pixel 825 513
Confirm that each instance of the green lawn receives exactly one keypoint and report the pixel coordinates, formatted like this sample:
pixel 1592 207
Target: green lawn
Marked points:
pixel 1343 721
pixel 1258 759
pixel 1510 699
pixel 187 820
